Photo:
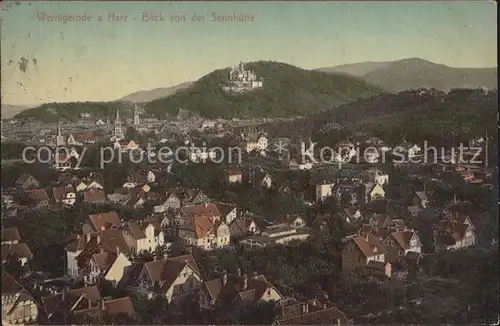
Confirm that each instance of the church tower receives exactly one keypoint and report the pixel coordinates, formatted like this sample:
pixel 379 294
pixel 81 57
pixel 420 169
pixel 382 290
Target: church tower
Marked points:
pixel 59 138
pixel 136 115
pixel 118 126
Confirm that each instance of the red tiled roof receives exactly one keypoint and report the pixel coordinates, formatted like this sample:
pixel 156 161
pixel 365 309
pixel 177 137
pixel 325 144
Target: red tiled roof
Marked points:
pixel 105 220
pixel 370 246
pixel 37 195
pixel 21 250
pixel 10 285
pixel 60 192
pixel 94 195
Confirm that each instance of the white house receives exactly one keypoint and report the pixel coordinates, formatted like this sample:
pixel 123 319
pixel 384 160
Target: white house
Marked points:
pixel 205 232
pixel 323 191
pixel 145 237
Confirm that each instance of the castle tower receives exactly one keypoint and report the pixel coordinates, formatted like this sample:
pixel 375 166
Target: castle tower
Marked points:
pixel 136 115
pixel 59 138
pixel 118 126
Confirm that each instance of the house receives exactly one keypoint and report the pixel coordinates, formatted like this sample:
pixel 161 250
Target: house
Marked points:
pixel 37 198
pixel 118 269
pixel 228 212
pixel 19 250
pixel 174 278
pixel 360 250
pixel 27 181
pixel 94 196
pixel 126 145
pixel 420 199
pixel 398 244
pixel 81 138
pixel 98 257
pixel 274 234
pixel 323 191
pixel 299 162
pixel 454 232
pixel 256 144
pixel 12 246
pixel 143 236
pixel 233 176
pixel 260 178
pixel 81 186
pixel 74 306
pixel 292 220
pixel 206 232
pixel 168 202
pixel 10 236
pixel 18 305
pixel 373 192
pixel 414 151
pixel 191 197
pixel 312 312
pixel 94 185
pixel 188 213
pixel 351 214
pixel 64 195
pixel 241 227
pixel 102 221
pixel 234 289
pixel 58 306
pixel 375 175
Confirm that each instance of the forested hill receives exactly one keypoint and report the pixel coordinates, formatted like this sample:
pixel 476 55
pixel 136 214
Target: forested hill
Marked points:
pixel 415 115
pixel 71 111
pixel 288 91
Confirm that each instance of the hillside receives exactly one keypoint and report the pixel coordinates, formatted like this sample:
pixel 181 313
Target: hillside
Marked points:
pixel 287 91
pixel 356 69
pixel 153 94
pixel 71 111
pixel 417 73
pixel 8 110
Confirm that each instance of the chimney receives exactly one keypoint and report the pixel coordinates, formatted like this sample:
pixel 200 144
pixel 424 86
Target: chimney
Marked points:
pixel 224 278
pixel 206 205
pixel 238 271
pixel 63 293
pixel 245 282
pixel 103 305
pixel 154 258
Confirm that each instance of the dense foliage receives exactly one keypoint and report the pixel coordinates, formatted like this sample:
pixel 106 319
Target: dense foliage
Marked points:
pixel 71 111
pixel 288 91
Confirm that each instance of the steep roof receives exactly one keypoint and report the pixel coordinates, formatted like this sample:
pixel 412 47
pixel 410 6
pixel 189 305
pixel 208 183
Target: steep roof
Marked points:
pixel 165 271
pixel 105 220
pixel 9 284
pixel 369 245
pixel 201 210
pixel 21 250
pixel 10 234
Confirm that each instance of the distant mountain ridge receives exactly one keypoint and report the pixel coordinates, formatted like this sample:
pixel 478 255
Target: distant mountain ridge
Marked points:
pixel 153 94
pixel 287 91
pixel 415 73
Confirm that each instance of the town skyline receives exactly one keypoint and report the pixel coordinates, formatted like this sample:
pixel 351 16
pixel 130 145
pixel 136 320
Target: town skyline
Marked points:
pixel 91 61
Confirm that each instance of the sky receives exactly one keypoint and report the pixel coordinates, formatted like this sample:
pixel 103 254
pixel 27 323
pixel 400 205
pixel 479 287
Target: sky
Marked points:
pixel 106 60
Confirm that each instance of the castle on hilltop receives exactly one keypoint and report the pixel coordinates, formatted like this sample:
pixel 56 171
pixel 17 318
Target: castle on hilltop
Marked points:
pixel 242 80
